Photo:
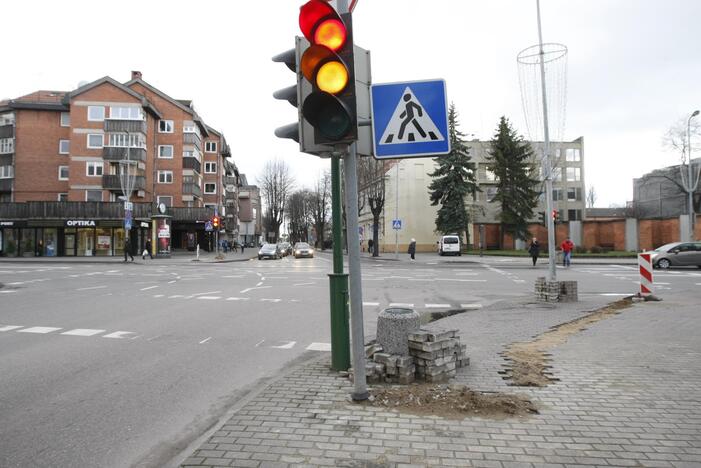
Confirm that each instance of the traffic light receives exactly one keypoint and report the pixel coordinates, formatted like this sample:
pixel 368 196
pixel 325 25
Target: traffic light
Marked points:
pixel 541 216
pixel 327 64
pixel 215 222
pixel 289 94
pixel 556 216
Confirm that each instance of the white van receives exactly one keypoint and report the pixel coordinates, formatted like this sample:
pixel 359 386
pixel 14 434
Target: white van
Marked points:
pixel 449 245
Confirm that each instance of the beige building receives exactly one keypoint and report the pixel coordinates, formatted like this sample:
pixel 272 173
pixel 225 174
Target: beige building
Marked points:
pixel 408 200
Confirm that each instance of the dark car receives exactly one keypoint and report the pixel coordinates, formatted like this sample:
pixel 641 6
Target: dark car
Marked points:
pixel 302 249
pixel 269 251
pixel 285 248
pixel 677 254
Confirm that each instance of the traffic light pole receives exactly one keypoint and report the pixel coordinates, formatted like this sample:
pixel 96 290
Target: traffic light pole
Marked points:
pixel 350 171
pixel 338 281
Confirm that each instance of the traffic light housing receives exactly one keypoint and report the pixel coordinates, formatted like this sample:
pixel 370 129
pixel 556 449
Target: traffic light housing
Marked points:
pixel 215 222
pixel 542 218
pixel 327 64
pixel 556 216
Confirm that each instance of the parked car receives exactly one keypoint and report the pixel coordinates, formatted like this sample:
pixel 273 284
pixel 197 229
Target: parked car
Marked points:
pixel 677 254
pixel 302 249
pixel 269 251
pixel 449 245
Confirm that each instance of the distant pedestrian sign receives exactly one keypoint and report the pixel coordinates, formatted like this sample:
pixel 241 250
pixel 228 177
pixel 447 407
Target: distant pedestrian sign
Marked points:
pixel 208 226
pixel 409 119
pixel 396 224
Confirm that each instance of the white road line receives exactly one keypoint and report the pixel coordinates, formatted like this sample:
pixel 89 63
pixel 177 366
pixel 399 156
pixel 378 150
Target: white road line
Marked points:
pixel 475 305
pixel 437 306
pixel 38 330
pixel 158 295
pixel 118 334
pixel 271 300
pixel 260 343
pixel 171 282
pixel 92 287
pixel 83 332
pixel 8 292
pixel 204 293
pixel 400 304
pixel 260 283
pixel 148 287
pixel 233 276
pixel 177 296
pixel 462 280
pixel 237 298
pixel 10 327
pixel 205 340
pixel 287 345
pixel 371 304
pixel 251 289
pixel 209 298
pixel 319 347
pixel 17 283
pixel 302 284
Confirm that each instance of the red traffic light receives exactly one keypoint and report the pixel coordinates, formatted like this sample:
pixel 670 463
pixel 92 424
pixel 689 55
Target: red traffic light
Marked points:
pixel 215 221
pixel 321 24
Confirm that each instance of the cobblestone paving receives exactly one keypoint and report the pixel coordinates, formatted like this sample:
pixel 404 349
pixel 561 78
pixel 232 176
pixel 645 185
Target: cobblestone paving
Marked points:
pixel 629 395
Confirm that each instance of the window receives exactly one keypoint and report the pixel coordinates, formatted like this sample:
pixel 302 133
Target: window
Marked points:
pixel 572 154
pixel 558 154
pixel 62 172
pixel 574 215
pixel 489 174
pixel 210 168
pixel 65 119
pixel 95 140
pixel 210 147
pixel 62 197
pixel 123 140
pixel 491 193
pixel 210 188
pixel 93 195
pixel 64 146
pixel 165 177
pixel 96 113
pixel 190 127
pixel 574 194
pixel 557 174
pixel 7 145
pixel 557 194
pixel 166 200
pixel 94 169
pixel 165 151
pixel 7 172
pixel 165 126
pixel 126 113
pixel 573 174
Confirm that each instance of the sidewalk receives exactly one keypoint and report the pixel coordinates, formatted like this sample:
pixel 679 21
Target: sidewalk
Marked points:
pixel 629 394
pixel 176 257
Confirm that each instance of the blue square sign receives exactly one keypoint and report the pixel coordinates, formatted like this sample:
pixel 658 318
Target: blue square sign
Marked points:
pixel 410 119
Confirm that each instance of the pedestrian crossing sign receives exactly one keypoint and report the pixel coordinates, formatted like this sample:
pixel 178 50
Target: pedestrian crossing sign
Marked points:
pixel 409 119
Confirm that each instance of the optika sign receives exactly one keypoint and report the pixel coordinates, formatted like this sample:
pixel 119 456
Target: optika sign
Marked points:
pixel 80 223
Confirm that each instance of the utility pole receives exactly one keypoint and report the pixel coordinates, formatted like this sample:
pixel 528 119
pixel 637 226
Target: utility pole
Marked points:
pixel 690 185
pixel 396 212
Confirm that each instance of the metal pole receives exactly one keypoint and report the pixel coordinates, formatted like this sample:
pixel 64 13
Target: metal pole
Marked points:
pixel 691 186
pixel 547 168
pixel 396 213
pixel 356 293
pixel 338 281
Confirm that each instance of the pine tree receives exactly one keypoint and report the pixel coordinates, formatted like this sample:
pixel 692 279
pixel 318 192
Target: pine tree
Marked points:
pixel 510 158
pixel 453 180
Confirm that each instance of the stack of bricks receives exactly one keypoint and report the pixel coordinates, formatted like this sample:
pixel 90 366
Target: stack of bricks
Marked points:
pixel 383 367
pixel 547 291
pixel 437 354
pixel 568 291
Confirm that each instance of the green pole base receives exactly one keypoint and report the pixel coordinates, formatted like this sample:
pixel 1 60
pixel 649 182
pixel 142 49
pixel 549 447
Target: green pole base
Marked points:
pixel 340 331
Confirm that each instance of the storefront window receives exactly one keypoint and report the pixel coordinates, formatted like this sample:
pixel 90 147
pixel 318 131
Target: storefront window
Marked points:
pixel 86 242
pixel 27 244
pixel 9 243
pixel 119 241
pixel 50 242
pixel 69 242
pixel 104 241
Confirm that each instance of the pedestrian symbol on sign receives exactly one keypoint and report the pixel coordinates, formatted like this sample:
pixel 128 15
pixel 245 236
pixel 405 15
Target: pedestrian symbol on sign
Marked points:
pixel 396 224
pixel 409 111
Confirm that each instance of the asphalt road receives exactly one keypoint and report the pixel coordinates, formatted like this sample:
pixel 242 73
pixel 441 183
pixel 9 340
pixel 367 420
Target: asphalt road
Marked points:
pixel 126 364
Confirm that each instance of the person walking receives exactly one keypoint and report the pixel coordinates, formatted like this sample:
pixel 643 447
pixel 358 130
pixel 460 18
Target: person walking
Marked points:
pixel 127 249
pixel 567 247
pixel 534 250
pixel 147 250
pixel 243 244
pixel 370 245
pixel 412 249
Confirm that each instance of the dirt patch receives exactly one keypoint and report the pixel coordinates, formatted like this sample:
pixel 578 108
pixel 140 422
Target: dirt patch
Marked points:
pixel 529 360
pixel 450 401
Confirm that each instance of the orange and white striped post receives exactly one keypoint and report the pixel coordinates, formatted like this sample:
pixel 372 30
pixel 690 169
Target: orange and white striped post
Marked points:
pixel 645 267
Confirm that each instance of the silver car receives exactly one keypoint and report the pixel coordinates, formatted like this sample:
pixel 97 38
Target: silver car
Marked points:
pixel 302 249
pixel 677 254
pixel 269 251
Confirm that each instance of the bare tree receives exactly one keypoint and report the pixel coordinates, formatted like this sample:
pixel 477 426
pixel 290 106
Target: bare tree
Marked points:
pixel 320 199
pixel 676 138
pixel 371 186
pixel 299 215
pixel 591 197
pixel 275 183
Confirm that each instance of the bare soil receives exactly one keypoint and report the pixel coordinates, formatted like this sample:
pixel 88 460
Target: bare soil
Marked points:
pixel 529 360
pixel 450 401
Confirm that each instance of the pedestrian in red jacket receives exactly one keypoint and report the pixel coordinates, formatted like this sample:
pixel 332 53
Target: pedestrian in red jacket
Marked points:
pixel 567 247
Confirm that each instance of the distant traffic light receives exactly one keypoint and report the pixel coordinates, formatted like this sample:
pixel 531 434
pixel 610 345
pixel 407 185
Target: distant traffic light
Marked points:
pixel 215 222
pixel 541 217
pixel 556 216
pixel 327 64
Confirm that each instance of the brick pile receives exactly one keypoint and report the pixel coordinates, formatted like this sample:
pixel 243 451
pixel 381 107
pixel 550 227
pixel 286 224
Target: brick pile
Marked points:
pixel 568 291
pixel 437 354
pixel 555 291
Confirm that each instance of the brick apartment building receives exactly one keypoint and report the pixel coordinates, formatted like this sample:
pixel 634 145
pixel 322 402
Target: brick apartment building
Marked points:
pixel 63 160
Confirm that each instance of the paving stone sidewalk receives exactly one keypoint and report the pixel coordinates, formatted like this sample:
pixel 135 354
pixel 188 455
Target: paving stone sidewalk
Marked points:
pixel 629 395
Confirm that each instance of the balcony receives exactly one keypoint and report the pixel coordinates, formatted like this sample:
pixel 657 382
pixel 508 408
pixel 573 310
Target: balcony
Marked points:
pixel 193 139
pixel 111 182
pixel 5 185
pixel 124 126
pixel 117 153
pixel 7 145
pixel 192 189
pixel 7 131
pixel 192 163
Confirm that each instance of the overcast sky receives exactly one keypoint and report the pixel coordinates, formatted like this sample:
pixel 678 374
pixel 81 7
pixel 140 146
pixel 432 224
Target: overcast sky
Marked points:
pixel 634 65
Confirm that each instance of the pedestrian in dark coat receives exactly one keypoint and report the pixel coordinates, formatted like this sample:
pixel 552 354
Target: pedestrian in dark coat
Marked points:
pixel 534 250
pixel 147 247
pixel 412 249
pixel 127 249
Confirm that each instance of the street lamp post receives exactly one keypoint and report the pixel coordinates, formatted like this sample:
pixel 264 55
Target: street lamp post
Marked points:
pixel 691 185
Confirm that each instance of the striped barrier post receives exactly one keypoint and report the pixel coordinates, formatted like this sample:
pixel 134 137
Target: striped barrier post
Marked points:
pixel 645 267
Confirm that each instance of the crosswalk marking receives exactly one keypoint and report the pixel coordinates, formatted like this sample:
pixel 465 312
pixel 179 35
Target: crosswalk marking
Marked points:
pixel 119 334
pixel 400 304
pixel 209 298
pixel 39 330
pixel 319 347
pixel 83 332
pixel 437 306
pixel 475 305
pixel 10 328
pixel 371 304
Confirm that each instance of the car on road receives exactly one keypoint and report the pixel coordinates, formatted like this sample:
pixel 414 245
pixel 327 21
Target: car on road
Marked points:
pixel 449 245
pixel 269 251
pixel 302 249
pixel 677 254
pixel 285 248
